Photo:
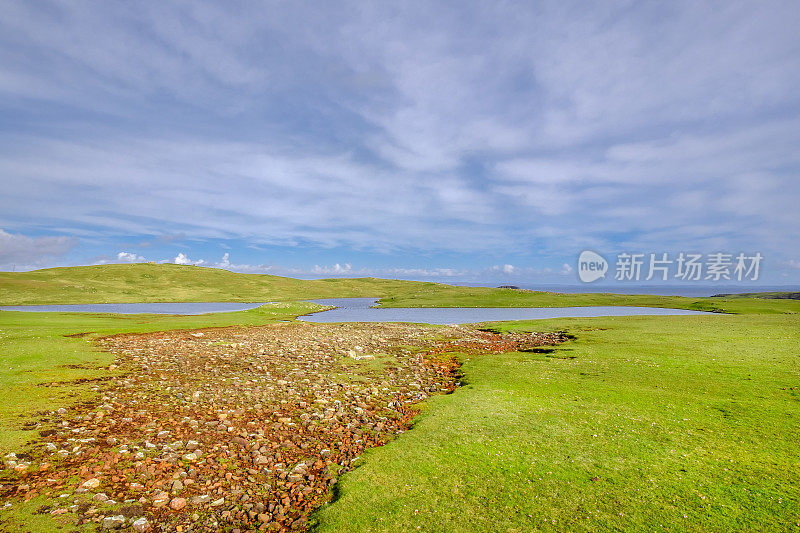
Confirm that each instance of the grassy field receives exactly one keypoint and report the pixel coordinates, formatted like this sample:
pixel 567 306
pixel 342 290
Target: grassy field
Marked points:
pixel 43 368
pixel 639 424
pixel 176 283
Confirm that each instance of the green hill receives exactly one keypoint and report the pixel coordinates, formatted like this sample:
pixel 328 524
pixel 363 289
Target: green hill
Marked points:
pixel 177 283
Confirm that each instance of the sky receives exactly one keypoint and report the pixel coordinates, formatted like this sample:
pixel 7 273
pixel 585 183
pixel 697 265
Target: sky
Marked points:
pixel 469 141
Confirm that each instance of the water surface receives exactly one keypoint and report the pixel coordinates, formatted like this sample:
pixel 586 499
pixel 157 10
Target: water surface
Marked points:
pixel 361 310
pixel 179 308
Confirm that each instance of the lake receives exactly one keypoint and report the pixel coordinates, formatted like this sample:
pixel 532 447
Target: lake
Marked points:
pixel 361 310
pixel 180 308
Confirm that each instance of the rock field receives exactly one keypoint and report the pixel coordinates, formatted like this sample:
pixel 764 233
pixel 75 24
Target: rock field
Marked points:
pixel 239 428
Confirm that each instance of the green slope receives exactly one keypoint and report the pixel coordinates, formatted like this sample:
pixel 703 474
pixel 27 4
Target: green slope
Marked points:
pixel 176 283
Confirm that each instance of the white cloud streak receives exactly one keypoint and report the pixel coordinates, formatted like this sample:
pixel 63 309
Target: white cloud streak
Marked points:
pixel 23 252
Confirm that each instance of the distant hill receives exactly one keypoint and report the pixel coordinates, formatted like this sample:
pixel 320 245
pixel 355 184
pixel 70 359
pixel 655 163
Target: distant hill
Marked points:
pixel 763 295
pixel 141 282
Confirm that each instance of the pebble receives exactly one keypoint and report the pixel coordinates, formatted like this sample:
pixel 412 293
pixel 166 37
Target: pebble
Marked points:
pixel 141 525
pixel 92 483
pixel 113 522
pixel 177 504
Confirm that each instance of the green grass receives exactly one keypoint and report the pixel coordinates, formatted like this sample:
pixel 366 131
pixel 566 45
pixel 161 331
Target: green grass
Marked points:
pixel 40 366
pixel 684 423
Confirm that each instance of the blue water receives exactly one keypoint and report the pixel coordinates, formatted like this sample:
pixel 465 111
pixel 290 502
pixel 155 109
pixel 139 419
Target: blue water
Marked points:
pixel 361 310
pixel 185 308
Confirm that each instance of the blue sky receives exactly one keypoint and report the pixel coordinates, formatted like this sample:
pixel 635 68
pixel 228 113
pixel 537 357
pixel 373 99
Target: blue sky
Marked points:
pixel 428 140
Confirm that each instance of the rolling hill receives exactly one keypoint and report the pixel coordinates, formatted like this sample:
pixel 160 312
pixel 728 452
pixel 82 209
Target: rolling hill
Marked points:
pixel 172 283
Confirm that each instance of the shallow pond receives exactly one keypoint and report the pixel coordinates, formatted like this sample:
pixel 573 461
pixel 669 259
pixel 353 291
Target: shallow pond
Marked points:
pixel 361 310
pixel 180 308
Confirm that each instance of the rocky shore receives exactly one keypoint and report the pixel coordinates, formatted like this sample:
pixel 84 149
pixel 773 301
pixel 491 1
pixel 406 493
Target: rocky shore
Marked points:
pixel 236 429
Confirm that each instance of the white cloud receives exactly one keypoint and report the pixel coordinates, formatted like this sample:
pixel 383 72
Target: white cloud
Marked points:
pixel 130 257
pixel 182 259
pixel 505 269
pixel 566 269
pixel 21 251
pixel 421 273
pixel 335 269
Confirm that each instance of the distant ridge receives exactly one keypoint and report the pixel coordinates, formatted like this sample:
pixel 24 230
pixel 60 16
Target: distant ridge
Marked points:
pixel 763 295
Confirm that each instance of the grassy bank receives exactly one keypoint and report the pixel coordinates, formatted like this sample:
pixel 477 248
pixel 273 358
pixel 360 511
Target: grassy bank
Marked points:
pixel 43 368
pixel 448 296
pixel 641 423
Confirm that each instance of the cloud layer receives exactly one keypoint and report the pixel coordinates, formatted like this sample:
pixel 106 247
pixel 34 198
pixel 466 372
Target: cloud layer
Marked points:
pixel 497 132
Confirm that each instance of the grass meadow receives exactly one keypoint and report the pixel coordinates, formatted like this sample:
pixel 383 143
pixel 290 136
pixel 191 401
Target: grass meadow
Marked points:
pixel 660 423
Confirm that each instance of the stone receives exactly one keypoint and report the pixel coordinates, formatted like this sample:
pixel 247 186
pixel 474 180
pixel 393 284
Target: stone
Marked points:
pixel 92 483
pixel 113 522
pixel 160 499
pixel 177 504
pixel 141 525
pixel 218 503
